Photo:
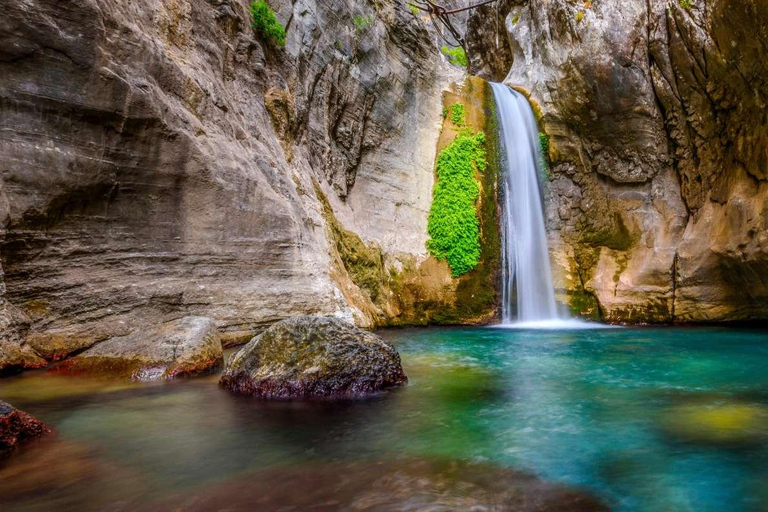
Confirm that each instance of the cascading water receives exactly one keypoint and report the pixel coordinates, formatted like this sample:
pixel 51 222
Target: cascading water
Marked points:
pixel 524 239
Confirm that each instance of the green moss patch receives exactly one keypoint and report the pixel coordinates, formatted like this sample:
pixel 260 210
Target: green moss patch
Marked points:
pixel 454 228
pixel 456 56
pixel 363 263
pixel 544 157
pixel 265 24
pixel 458 114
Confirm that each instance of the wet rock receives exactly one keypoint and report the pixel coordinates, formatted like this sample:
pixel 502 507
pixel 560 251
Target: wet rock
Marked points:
pixel 390 486
pixel 314 357
pixel 655 113
pixel 15 356
pixel 186 347
pixel 161 158
pixel 17 427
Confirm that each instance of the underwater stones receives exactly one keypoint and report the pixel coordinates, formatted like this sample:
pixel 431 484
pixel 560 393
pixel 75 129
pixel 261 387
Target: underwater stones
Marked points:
pixel 313 358
pixel 720 423
pixel 390 486
pixel 17 426
pixel 185 347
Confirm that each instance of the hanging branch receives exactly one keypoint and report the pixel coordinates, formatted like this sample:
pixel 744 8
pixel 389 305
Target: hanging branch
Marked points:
pixel 440 17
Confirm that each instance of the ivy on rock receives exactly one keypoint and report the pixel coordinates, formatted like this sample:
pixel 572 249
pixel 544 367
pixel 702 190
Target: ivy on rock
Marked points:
pixel 454 228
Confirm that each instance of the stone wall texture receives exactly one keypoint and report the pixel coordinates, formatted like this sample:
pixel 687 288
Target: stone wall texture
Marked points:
pixel 658 196
pixel 159 161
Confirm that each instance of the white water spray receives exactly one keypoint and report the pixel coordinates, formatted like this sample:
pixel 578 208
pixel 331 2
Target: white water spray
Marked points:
pixel 525 256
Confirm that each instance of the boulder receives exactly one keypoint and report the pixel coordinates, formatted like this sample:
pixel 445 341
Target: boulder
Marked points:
pixel 313 357
pixel 17 356
pixel 17 426
pixel 185 347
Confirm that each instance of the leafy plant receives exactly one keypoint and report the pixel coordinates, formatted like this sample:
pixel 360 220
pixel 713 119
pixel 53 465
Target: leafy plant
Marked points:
pixel 414 10
pixel 265 24
pixel 362 22
pixel 456 56
pixel 544 154
pixel 458 114
pixel 579 16
pixel 686 4
pixel 515 18
pixel 454 228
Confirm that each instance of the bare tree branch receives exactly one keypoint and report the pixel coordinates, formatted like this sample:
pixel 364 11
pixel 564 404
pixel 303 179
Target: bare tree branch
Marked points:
pixel 440 16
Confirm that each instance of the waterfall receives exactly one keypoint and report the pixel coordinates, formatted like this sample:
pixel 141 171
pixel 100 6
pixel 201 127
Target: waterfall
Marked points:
pixel 525 255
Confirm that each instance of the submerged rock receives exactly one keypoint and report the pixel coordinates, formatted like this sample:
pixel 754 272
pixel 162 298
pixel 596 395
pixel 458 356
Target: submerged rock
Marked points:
pixel 720 423
pixel 312 357
pixel 17 426
pixel 182 348
pixel 389 486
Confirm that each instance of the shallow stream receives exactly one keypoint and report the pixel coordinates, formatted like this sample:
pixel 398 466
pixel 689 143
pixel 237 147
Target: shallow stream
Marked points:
pixel 647 419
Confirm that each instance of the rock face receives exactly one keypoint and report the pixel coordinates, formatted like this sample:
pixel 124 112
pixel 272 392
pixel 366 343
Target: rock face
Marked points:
pixel 17 427
pixel 160 161
pixel 186 347
pixel 658 192
pixel 311 357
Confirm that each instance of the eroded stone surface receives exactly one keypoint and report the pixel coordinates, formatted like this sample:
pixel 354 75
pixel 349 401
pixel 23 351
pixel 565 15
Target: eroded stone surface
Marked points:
pixel 186 347
pixel 314 358
pixel 159 160
pixel 656 205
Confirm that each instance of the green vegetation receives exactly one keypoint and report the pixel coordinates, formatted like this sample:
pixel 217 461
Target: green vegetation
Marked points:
pixel 362 22
pixel 265 24
pixel 458 114
pixel 686 4
pixel 579 16
pixel 515 18
pixel 456 56
pixel 454 228
pixel 544 154
pixel 414 10
pixel 363 263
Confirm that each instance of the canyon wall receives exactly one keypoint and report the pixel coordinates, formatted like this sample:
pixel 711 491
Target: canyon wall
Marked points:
pixel 158 161
pixel 657 199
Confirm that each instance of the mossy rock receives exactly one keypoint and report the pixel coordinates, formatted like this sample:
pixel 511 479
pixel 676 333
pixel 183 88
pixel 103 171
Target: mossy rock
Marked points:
pixel 719 423
pixel 314 358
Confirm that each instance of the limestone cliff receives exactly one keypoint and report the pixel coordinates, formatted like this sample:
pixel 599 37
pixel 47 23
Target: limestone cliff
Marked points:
pixel 159 161
pixel 658 198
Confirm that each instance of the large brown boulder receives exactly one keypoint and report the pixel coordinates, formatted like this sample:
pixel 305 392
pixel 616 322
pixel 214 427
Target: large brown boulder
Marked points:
pixel 17 426
pixel 314 357
pixel 185 347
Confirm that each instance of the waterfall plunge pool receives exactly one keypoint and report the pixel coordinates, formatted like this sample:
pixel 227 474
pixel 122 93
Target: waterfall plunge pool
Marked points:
pixel 646 419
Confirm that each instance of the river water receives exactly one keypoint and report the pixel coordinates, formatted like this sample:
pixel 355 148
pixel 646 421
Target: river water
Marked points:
pixel 647 419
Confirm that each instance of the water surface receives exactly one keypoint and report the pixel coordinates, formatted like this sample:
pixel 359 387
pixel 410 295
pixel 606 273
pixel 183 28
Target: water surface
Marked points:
pixel 648 419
